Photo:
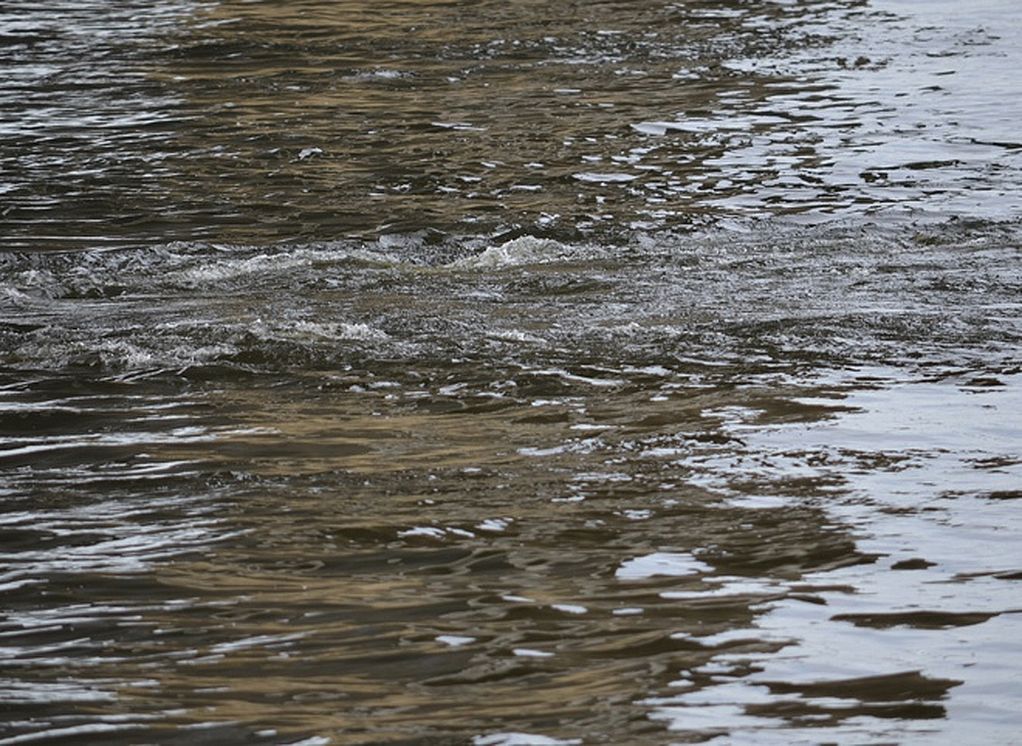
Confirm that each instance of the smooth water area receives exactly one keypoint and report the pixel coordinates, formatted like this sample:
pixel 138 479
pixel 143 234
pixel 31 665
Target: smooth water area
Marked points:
pixel 510 373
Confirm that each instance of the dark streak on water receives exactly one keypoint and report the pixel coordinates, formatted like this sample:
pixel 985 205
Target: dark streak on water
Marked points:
pixel 504 373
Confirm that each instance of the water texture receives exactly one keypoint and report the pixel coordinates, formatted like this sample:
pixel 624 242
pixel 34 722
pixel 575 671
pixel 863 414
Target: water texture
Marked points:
pixel 510 373
pixel 256 122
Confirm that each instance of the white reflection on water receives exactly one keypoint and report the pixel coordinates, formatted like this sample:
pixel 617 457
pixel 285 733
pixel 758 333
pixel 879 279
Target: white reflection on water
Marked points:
pixel 918 104
pixel 521 739
pixel 931 471
pixel 660 564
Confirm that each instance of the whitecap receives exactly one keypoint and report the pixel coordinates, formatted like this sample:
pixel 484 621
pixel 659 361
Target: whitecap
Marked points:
pixel 515 253
pixel 311 331
pixel 339 330
pixel 515 335
pixel 381 73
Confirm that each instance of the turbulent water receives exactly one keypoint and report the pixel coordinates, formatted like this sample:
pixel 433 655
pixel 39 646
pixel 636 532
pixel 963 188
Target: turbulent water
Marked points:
pixel 503 373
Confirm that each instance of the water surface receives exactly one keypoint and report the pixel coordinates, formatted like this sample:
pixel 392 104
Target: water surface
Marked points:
pixel 501 373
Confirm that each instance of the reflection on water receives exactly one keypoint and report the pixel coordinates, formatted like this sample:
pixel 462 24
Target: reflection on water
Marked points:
pixel 392 395
pixel 903 464
pixel 401 490
pixel 254 122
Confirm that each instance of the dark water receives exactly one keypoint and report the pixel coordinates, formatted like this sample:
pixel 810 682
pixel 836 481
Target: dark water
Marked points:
pixel 510 373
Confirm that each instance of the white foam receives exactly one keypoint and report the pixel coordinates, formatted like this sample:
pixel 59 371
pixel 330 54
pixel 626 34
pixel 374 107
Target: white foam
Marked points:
pixel 515 335
pixel 312 331
pixel 232 267
pixel 381 73
pixel 518 252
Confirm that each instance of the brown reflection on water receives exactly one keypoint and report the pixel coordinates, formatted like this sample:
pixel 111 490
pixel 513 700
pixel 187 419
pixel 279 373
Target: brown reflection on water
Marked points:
pixel 465 114
pixel 258 122
pixel 586 561
pixel 436 487
pixel 407 575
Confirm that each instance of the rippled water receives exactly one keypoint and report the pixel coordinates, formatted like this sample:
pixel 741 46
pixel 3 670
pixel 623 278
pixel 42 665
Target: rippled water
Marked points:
pixel 506 373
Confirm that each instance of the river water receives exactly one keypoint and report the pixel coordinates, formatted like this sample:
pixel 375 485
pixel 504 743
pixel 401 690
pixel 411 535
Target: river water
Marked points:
pixel 493 373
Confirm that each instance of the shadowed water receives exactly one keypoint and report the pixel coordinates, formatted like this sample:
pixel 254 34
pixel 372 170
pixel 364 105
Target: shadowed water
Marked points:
pixel 510 373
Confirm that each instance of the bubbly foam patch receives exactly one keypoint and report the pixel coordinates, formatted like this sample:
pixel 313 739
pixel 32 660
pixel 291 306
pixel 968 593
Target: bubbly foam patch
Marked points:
pixel 312 331
pixel 521 251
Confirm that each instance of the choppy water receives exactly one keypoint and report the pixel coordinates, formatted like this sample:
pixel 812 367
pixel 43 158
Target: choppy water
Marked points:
pixel 504 373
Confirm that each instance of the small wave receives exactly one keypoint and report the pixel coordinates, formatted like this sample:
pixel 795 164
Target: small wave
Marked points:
pixel 380 73
pixel 659 564
pixel 109 274
pixel 168 346
pixel 593 177
pixel 518 252
pixel 516 336
pixel 311 331
pixel 63 349
pixel 521 739
pixel 458 126
pixel 275 264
